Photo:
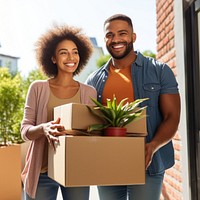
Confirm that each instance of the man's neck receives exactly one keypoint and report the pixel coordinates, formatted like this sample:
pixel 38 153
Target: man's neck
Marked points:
pixel 124 62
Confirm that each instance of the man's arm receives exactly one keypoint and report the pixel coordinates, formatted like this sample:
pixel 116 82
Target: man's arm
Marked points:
pixel 170 108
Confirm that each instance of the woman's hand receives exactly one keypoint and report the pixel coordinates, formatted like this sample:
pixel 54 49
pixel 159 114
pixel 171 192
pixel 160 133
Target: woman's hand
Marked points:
pixel 52 130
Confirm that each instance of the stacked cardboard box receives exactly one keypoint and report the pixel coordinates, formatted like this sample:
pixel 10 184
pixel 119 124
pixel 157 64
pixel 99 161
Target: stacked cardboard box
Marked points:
pixel 96 160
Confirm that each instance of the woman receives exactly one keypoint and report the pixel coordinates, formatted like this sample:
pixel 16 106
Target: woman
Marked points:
pixel 61 52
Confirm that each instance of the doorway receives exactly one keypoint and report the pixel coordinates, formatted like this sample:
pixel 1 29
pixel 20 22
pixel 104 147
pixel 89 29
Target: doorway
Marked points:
pixel 192 58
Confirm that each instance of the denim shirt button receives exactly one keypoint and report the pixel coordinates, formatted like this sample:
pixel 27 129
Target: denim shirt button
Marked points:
pixel 152 88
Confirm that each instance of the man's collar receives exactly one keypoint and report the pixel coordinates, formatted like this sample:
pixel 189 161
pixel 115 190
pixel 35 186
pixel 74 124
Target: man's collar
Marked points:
pixel 139 59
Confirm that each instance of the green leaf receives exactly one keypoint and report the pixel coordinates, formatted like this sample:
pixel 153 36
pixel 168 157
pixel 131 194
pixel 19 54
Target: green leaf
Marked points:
pixel 96 127
pixel 114 103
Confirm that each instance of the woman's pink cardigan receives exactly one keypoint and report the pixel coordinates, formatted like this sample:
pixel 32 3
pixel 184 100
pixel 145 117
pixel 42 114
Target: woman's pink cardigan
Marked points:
pixel 35 113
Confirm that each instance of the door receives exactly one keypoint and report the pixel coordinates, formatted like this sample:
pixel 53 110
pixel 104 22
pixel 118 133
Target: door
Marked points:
pixel 192 57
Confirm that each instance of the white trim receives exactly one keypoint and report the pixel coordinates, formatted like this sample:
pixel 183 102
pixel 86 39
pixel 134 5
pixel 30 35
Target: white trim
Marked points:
pixel 180 63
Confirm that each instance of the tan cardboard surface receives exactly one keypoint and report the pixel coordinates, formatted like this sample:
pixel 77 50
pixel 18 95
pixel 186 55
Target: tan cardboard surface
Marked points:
pixel 10 173
pixel 75 116
pixel 138 126
pixel 57 160
pixel 94 160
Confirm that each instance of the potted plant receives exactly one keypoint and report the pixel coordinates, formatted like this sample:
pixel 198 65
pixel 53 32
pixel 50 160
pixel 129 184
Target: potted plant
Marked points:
pixel 116 116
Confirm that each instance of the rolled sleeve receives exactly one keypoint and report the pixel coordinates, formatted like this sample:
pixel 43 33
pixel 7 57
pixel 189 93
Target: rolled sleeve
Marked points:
pixel 169 84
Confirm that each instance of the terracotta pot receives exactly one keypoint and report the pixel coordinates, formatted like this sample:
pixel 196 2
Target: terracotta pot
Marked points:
pixel 115 131
pixel 10 173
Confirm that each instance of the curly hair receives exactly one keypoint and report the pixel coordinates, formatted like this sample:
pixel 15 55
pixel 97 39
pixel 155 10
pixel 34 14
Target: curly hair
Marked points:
pixel 47 43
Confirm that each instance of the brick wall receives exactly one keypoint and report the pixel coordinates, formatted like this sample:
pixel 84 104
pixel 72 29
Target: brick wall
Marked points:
pixel 172 187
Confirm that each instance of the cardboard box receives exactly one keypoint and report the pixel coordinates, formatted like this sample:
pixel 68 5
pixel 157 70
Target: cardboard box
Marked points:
pixel 76 116
pixel 96 160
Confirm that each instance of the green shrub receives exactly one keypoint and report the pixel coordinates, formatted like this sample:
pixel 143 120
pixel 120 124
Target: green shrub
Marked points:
pixel 11 100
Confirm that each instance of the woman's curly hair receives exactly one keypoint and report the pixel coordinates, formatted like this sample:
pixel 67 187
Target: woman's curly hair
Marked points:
pixel 47 43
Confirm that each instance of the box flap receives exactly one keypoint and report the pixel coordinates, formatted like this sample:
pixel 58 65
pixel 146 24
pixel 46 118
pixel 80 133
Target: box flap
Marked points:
pixel 57 112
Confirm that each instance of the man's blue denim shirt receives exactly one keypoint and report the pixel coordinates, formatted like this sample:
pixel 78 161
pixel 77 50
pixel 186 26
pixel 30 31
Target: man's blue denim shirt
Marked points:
pixel 150 79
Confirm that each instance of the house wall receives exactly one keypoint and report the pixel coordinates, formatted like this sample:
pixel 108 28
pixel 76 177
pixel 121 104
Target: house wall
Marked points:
pixel 91 66
pixel 10 62
pixel 170 50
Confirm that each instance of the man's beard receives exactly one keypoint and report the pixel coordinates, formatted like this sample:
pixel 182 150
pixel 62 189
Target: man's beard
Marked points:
pixel 129 48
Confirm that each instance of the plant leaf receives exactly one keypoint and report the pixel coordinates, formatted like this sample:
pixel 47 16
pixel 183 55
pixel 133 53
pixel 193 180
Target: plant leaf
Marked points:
pixel 97 127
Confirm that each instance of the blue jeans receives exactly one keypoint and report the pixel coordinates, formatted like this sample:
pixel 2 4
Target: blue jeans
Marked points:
pixel 150 191
pixel 47 190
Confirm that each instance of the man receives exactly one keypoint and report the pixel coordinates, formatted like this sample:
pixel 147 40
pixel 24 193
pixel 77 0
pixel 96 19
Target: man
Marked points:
pixel 129 74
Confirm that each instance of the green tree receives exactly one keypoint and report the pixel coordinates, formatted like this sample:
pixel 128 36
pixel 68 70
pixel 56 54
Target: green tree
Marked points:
pixel 149 53
pixel 102 60
pixel 33 75
pixel 13 91
pixel 11 101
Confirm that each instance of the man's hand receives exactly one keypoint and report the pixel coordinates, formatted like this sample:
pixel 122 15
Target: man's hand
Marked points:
pixel 149 152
